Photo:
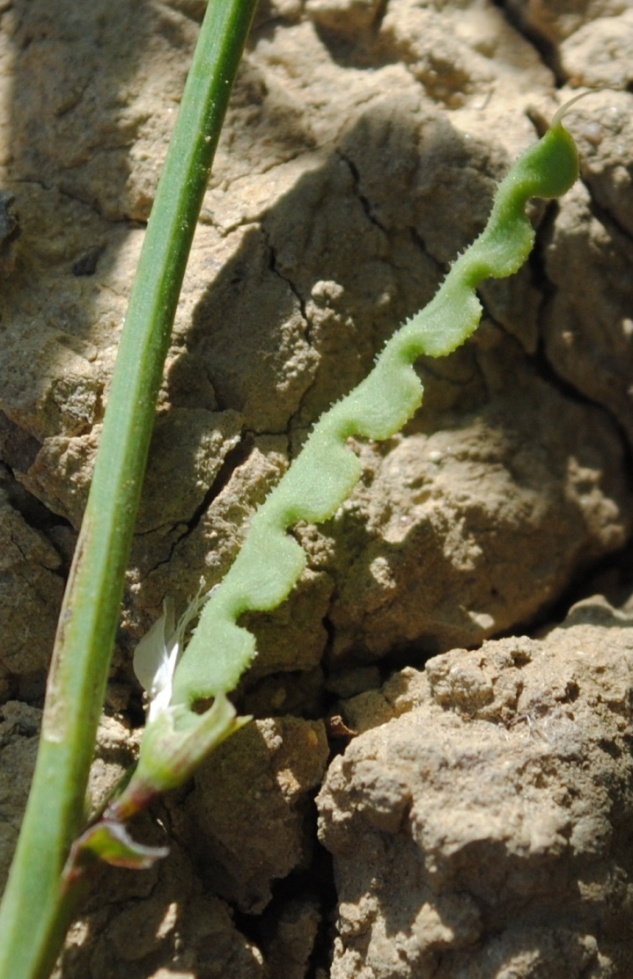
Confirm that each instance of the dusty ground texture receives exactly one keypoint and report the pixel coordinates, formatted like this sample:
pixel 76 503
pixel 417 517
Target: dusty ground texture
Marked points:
pixel 477 825
pixel 484 830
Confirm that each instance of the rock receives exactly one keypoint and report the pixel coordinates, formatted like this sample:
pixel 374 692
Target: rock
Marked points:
pixel 360 154
pixel 598 54
pixel 320 231
pixel 427 556
pixel 256 827
pixel 293 941
pixel 29 598
pixel 19 730
pixel 586 329
pixel 19 735
pixel 166 929
pixel 555 22
pixel 482 829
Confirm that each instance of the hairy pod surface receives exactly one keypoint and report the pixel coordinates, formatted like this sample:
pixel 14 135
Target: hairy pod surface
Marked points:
pixel 326 470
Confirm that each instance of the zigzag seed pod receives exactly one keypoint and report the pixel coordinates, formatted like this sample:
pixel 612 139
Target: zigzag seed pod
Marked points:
pixel 325 472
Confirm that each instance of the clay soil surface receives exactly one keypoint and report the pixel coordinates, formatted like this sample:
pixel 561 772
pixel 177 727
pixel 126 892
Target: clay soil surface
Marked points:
pixel 437 782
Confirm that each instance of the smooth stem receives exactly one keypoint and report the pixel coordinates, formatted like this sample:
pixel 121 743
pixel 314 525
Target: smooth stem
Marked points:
pixel 35 909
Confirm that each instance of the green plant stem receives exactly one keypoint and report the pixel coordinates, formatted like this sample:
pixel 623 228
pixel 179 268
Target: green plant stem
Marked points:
pixel 36 906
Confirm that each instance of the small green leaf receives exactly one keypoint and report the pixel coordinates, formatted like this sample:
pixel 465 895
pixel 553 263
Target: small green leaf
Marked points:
pixel 109 841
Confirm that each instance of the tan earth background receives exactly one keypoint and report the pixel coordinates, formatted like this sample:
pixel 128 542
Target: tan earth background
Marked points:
pixel 439 780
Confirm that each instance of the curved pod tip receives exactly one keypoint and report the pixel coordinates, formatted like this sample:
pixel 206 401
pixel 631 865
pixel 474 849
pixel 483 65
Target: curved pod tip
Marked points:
pixel 566 106
pixel 558 162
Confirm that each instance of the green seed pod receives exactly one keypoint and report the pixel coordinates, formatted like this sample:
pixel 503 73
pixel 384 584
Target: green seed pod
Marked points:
pixel 325 472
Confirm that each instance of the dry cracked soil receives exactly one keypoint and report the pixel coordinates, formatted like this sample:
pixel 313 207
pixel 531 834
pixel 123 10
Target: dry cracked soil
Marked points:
pixel 438 779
